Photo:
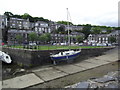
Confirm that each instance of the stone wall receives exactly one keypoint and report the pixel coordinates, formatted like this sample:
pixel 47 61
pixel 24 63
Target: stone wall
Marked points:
pixel 30 58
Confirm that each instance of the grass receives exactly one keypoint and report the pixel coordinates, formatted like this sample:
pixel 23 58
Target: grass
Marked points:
pixel 52 47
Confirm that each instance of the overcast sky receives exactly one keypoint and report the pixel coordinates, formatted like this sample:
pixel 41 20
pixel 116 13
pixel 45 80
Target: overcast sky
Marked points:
pixel 95 12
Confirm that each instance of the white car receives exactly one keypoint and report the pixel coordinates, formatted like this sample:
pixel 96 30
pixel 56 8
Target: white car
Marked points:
pixel 101 44
pixel 54 44
pixel 63 43
pixel 93 44
pixel 32 44
pixel 109 44
pixel 80 44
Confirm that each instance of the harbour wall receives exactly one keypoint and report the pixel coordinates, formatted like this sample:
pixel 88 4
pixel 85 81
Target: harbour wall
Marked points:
pixel 30 58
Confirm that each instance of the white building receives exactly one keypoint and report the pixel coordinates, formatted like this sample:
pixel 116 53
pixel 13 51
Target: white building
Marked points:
pixel 98 38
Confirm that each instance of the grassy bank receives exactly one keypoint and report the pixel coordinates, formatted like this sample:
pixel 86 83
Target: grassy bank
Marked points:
pixel 44 47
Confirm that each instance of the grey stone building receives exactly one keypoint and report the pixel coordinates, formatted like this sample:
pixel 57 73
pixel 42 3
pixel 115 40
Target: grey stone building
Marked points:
pixel 63 38
pixel 16 23
pixel 24 27
pixel 42 27
pixel 115 34
pixel 12 33
pixel 74 27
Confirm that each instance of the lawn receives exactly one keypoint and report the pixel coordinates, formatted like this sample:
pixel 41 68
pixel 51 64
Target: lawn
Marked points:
pixel 44 47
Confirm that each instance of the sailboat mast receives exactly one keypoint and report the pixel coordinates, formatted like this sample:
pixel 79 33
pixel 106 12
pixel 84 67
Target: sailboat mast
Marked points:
pixel 68 28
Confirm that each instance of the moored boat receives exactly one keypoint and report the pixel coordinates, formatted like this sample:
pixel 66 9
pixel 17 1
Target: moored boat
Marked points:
pixel 66 55
pixel 5 57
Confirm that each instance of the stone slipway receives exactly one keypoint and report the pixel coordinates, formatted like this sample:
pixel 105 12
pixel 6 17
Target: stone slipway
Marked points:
pixel 22 81
pixel 44 75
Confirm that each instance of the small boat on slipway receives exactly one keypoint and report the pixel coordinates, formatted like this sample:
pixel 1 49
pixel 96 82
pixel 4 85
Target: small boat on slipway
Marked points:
pixel 5 57
pixel 65 55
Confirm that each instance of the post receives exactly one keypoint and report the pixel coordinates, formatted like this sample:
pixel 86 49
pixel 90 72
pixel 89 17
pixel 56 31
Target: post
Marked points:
pixel 68 29
pixel 0 50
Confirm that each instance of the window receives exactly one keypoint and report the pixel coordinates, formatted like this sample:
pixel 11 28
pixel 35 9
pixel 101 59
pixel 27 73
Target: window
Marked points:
pixel 103 38
pixel 36 24
pixel 106 38
pixel 35 28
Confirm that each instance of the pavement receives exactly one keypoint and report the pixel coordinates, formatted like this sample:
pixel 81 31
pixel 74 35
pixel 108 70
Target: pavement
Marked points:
pixel 0 85
pixel 46 74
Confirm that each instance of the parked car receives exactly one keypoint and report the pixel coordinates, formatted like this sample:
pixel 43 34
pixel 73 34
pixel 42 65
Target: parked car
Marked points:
pixel 32 44
pixel 80 44
pixel 93 44
pixel 63 43
pixel 54 44
pixel 101 44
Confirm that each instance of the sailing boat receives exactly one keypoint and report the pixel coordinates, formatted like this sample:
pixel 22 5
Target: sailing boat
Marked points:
pixel 66 55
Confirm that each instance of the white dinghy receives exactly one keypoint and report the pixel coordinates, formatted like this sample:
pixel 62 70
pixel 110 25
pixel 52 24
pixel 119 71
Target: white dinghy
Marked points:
pixel 5 57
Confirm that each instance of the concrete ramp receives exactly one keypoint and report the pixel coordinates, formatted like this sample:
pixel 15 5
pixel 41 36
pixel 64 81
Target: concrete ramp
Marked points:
pixel 22 81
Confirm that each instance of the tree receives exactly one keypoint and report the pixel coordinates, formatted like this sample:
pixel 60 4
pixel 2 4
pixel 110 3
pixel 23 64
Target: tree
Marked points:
pixel 79 38
pixel 17 16
pixel 96 30
pixel 45 38
pixel 8 15
pixel 86 30
pixel 19 38
pixel 27 16
pixel 61 29
pixel 33 36
pixel 40 19
pixel 48 37
pixel 112 39
pixel 65 22
pixel 109 30
pixel 5 30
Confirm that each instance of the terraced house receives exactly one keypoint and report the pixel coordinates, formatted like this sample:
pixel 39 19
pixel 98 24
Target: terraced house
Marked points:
pixel 24 27
pixel 42 27
pixel 98 38
pixel 20 27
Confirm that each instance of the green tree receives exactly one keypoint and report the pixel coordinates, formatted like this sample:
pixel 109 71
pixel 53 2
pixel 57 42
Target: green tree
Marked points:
pixel 66 38
pixel 112 39
pixel 65 22
pixel 17 16
pixel 8 15
pixel 61 29
pixel 40 19
pixel 48 35
pixel 79 38
pixel 45 38
pixel 86 30
pixel 19 38
pixel 33 36
pixel 5 30
pixel 96 30
pixel 27 16
pixel 109 30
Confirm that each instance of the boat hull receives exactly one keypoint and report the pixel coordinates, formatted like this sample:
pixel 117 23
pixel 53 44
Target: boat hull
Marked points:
pixel 69 57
